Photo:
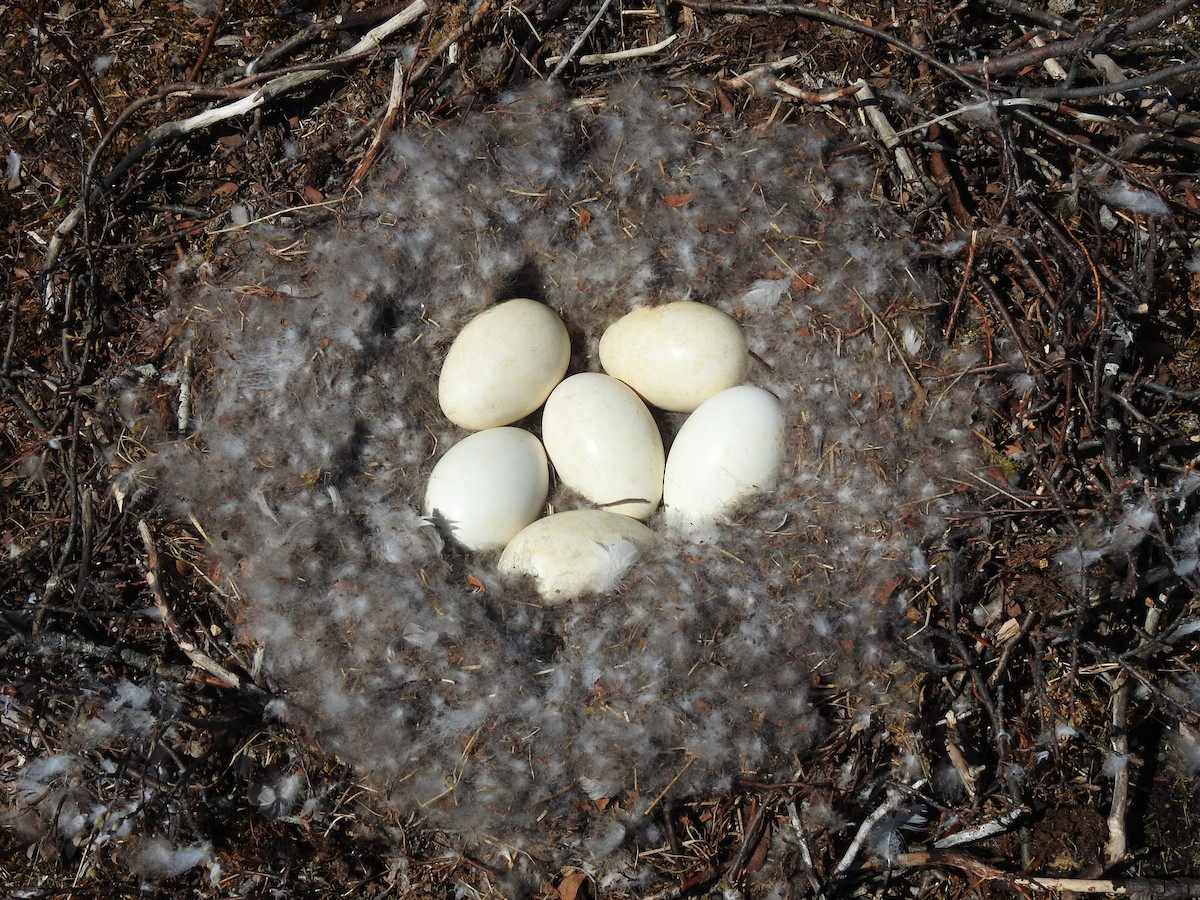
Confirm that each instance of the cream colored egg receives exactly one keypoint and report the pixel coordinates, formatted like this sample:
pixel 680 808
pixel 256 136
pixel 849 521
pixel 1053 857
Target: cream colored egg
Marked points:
pixel 488 487
pixel 729 449
pixel 604 444
pixel 576 552
pixel 676 355
pixel 503 365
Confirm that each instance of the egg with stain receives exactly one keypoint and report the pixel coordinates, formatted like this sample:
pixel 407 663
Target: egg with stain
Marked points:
pixel 729 449
pixel 676 355
pixel 488 487
pixel 576 552
pixel 503 365
pixel 604 444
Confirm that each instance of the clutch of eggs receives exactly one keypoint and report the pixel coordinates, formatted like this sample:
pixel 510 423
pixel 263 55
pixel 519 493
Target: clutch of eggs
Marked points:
pixel 488 491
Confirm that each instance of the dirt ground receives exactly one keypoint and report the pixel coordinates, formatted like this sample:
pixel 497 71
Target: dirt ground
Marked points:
pixel 1044 160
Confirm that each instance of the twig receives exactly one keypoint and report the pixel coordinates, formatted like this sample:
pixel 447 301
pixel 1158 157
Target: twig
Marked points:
pixel 199 658
pixel 939 164
pixel 183 413
pixel 1115 87
pixel 1082 43
pixel 599 59
pixel 206 48
pixel 385 126
pixel 276 87
pixel 1041 16
pixel 1143 887
pixel 889 806
pixel 814 97
pixel 956 307
pixel 998 825
pixel 836 19
pixel 753 837
pixel 887 134
pixel 18 398
pixel 1116 847
pixel 591 26
pixel 1031 621
pixel 806 861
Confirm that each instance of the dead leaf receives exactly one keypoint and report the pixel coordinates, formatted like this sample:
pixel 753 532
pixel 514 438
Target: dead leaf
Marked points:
pixel 884 592
pixel 569 887
pixel 585 216
pixel 759 857
pixel 677 200
pixel 312 195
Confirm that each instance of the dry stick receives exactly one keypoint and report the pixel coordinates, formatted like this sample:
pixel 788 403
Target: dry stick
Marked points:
pixel 423 64
pixel 1041 16
pixel 1083 43
pixel 196 68
pixel 806 861
pixel 839 21
pixel 18 398
pixel 1142 887
pixel 887 134
pixel 63 47
pixel 998 825
pixel 752 838
pixel 939 164
pixel 815 97
pixel 1116 847
pixel 199 658
pixel 1116 87
pixel 599 59
pixel 763 73
pixel 276 87
pixel 389 121
pixel 956 307
pixel 889 806
pixel 1031 621
pixel 591 26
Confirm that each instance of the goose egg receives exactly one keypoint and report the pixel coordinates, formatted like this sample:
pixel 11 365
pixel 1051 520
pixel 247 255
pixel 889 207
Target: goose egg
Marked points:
pixel 676 355
pixel 604 444
pixel 728 449
pixel 503 365
pixel 487 487
pixel 571 553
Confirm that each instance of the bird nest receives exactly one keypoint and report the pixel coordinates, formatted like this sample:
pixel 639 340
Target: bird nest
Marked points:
pixel 960 251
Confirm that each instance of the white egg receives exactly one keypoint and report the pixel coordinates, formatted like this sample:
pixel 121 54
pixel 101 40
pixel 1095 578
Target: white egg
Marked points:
pixel 503 365
pixel 604 444
pixel 576 552
pixel 488 487
pixel 676 355
pixel 729 449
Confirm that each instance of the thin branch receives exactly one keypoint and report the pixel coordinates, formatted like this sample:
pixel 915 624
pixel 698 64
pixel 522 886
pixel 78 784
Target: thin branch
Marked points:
pixel 276 87
pixel 840 21
pixel 1014 62
pixel 199 658
pixel 1118 87
pixel 591 26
